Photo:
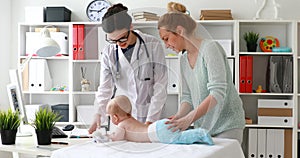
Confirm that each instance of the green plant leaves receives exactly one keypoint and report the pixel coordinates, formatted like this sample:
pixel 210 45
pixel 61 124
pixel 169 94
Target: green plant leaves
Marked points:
pixel 251 37
pixel 9 120
pixel 45 119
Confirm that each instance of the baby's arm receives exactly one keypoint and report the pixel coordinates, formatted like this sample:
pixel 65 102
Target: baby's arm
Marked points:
pixel 119 134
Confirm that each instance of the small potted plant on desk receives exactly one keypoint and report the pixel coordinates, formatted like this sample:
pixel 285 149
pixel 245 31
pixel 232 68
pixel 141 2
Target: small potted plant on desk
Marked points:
pixel 43 123
pixel 9 123
pixel 251 40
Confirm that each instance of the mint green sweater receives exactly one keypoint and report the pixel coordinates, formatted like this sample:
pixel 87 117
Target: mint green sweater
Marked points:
pixel 211 75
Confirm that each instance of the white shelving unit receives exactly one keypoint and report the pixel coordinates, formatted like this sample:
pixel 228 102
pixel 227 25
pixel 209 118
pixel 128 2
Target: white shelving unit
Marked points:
pixel 66 71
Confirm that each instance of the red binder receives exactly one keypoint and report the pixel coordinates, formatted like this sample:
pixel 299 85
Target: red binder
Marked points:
pixel 80 38
pixel 249 74
pixel 242 77
pixel 75 42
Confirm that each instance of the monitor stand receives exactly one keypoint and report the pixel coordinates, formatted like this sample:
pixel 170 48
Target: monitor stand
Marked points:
pixel 22 133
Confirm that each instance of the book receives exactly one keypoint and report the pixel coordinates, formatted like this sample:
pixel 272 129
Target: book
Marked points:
pixel 146 19
pixel 224 11
pixel 38 29
pixel 215 18
pixel 146 16
pixel 143 13
pixel 209 14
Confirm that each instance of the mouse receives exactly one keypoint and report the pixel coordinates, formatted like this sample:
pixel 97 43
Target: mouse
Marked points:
pixel 68 128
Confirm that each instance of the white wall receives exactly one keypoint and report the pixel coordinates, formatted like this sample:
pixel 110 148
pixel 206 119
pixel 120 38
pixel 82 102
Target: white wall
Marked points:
pixel 241 9
pixel 5 43
pixel 5 58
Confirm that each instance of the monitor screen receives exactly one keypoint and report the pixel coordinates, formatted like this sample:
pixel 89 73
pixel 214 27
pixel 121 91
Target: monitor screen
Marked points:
pixel 16 99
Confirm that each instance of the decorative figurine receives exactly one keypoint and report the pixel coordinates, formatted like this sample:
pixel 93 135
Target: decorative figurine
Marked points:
pixel 85 83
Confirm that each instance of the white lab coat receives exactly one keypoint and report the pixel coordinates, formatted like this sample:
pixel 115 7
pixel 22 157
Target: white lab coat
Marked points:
pixel 143 82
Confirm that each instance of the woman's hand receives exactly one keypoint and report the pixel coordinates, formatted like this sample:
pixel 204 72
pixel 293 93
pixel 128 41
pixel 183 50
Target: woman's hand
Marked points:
pixel 179 124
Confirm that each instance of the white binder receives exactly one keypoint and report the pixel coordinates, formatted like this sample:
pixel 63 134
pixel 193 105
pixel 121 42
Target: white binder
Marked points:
pixel 275 103
pixel 271 143
pixel 261 143
pixel 279 143
pixel 39 75
pixel 252 143
pixel 270 120
pixel 173 75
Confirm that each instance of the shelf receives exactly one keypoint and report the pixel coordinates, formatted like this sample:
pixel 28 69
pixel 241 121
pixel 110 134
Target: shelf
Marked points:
pixel 54 57
pixel 79 92
pixel 266 94
pixel 266 53
pixel 265 126
pixel 86 61
pixel 47 92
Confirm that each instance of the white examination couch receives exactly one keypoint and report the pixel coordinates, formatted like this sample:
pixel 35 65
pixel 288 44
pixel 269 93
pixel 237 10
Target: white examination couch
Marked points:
pixel 223 148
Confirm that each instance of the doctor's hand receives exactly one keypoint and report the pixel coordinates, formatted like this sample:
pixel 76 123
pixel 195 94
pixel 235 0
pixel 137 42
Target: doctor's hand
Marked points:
pixel 96 124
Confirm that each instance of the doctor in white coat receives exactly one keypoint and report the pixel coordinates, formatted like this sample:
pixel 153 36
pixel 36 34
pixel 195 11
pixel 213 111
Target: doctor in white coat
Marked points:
pixel 134 63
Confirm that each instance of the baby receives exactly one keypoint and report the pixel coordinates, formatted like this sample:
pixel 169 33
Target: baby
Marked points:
pixel 128 128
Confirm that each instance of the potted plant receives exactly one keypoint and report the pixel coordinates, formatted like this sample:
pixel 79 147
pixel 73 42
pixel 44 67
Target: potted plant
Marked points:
pixel 43 123
pixel 9 123
pixel 251 40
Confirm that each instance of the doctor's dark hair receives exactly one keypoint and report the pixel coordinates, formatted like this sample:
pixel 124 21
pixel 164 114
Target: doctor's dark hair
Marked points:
pixel 171 20
pixel 116 18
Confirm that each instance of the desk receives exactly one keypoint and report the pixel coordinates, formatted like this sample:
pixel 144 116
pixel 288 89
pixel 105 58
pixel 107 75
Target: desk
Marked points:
pixel 28 145
pixel 223 148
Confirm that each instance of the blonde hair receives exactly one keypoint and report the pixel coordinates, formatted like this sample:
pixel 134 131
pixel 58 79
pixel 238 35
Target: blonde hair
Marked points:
pixel 119 105
pixel 171 20
pixel 176 7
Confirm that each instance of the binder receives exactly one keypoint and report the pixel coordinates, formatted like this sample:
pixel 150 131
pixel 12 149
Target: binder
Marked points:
pixel 173 75
pixel 261 143
pixel 243 64
pixel 249 74
pixel 75 42
pixel 39 75
pixel 231 66
pixel 276 121
pixel 275 103
pixel 287 82
pixel 271 143
pixel 275 81
pixel 252 143
pixel 80 38
pixel 279 143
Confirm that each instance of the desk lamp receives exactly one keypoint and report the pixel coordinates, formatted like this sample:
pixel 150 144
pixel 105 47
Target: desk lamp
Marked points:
pixel 47 48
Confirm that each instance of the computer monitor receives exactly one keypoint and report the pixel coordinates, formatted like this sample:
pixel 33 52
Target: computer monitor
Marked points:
pixel 16 100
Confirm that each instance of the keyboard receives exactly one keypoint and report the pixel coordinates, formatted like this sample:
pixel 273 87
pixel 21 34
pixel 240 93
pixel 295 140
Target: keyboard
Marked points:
pixel 58 133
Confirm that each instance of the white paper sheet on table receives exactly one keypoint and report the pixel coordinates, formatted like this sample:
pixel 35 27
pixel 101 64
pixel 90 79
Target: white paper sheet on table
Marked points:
pixel 223 148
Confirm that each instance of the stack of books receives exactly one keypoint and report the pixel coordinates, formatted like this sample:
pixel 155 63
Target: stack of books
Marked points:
pixel 145 16
pixel 224 14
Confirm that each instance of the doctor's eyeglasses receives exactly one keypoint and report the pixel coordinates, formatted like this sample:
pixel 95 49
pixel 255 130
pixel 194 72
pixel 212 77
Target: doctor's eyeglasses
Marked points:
pixel 121 40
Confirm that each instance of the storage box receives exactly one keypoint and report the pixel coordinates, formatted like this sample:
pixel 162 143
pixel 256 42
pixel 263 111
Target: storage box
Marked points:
pixel 58 14
pixel 275 103
pixel 34 14
pixel 85 113
pixel 63 110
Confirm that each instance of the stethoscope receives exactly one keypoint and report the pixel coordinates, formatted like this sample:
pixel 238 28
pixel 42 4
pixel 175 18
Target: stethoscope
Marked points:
pixel 137 56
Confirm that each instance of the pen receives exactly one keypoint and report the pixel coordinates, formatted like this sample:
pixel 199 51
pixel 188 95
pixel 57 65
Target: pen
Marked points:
pixel 62 143
pixel 80 137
